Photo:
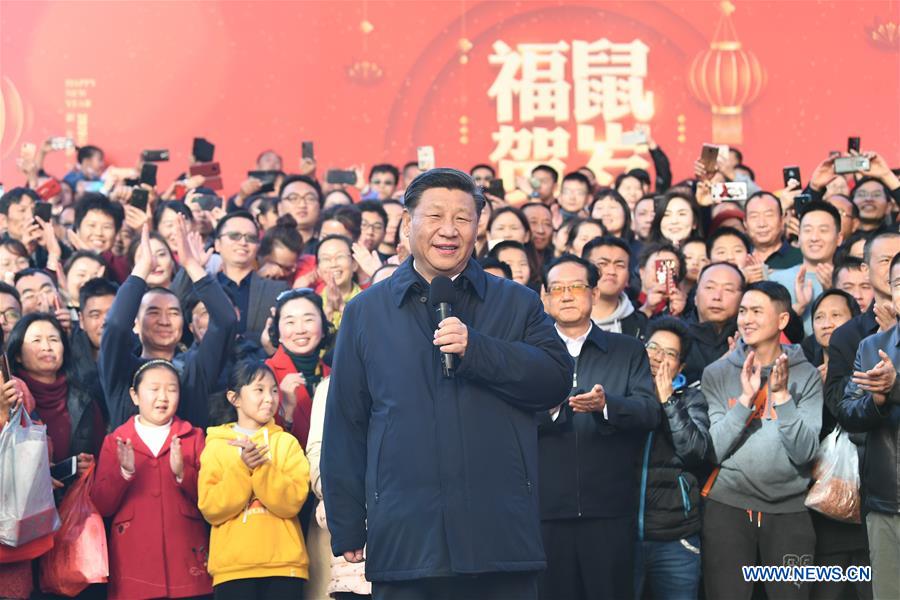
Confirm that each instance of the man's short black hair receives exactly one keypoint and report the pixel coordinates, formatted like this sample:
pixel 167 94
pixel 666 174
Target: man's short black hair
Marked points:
pixel 728 231
pixel 33 271
pixel 651 248
pixel 9 290
pixel 373 206
pixel 14 196
pixel 593 276
pixel 674 326
pixel 852 304
pixel 847 263
pixel 238 214
pixel 762 194
pixel 864 180
pixel 492 262
pixel 822 206
pixel 483 166
pixel 87 152
pixel 385 168
pixel 450 179
pixel 79 254
pixel 347 215
pixel 731 266
pixel 547 169
pixel 302 179
pixel 580 178
pixel 96 201
pixel 95 288
pixel 776 292
pixel 506 244
pixel 641 175
pixel 623 176
pixel 602 241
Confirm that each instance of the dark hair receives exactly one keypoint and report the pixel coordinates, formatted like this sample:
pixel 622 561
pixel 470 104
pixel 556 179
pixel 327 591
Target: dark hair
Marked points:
pixel 605 193
pixel 244 372
pixel 33 271
pixel 17 340
pixel 822 206
pixel 492 262
pixel 578 223
pixel 720 263
pixel 548 169
pixel 847 263
pixel 9 290
pixel 96 201
pixel 373 206
pixel 174 205
pixel 864 180
pixel 442 178
pixel 621 177
pixel 762 194
pixel 651 248
pixel 96 288
pixel 156 363
pixel 385 168
pixel 296 294
pixel 641 175
pixel 238 214
pixel 580 178
pixel 852 304
pixel 411 163
pixel 329 238
pixel 603 241
pixel 674 326
pixel 867 251
pixel 593 276
pixel 340 191
pixel 283 233
pixel 723 232
pixel 512 210
pixel 506 244
pixel 531 204
pixel 86 152
pixel 483 166
pixel 302 179
pixel 681 194
pixel 264 152
pixel 14 196
pixel 67 266
pixel 348 216
pixel 776 292
pixel 136 243
pixel 16 247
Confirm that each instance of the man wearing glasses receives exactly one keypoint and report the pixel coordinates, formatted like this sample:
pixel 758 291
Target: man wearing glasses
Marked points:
pixel 589 445
pixel 301 197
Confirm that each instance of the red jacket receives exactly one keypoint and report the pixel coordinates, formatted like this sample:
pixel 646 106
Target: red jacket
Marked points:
pixel 158 540
pixel 282 364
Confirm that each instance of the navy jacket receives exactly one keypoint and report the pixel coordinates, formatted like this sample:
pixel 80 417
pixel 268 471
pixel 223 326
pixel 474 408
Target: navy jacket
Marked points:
pixel 589 464
pixel 199 371
pixel 444 470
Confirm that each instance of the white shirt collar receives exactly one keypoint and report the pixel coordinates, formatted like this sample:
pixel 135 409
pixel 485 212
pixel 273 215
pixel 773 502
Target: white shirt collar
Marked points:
pixel 573 345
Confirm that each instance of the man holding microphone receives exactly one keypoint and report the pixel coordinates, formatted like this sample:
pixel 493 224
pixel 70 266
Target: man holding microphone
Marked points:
pixel 432 465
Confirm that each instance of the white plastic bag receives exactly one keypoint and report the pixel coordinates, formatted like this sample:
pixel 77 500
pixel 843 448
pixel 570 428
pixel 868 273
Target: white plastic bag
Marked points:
pixel 27 510
pixel 835 492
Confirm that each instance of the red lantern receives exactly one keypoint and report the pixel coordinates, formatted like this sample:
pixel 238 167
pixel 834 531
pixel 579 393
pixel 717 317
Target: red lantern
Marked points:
pixel 726 78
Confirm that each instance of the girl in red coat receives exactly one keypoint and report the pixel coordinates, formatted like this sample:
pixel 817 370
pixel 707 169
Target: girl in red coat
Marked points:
pixel 146 481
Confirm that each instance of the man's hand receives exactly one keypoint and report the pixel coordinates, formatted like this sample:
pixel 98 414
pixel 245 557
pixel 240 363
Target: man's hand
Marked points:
pixel 191 256
pixel 248 188
pixel 751 376
pixel 135 218
pixel 354 556
pixel 33 236
pixel 803 291
pixel 879 169
pixel 452 336
pixel 824 272
pixel 307 166
pixel 663 382
pixel 592 401
pixel 885 316
pixel 369 262
pixel 879 380
pixel 655 297
pixel 252 455
pixel 753 269
pixel 677 301
pixel 778 381
pixel 822 174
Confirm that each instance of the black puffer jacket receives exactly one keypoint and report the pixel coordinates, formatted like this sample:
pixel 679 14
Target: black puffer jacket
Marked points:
pixel 673 469
pixel 708 346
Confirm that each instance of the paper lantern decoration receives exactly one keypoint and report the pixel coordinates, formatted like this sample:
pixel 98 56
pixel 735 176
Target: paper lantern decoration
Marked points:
pixel 726 78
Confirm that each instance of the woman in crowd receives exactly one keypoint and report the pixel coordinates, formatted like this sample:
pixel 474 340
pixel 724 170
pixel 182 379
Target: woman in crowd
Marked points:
pixel 280 249
pixel 677 218
pixel 79 268
pixel 336 270
pixel 13 258
pixel 610 208
pixel 146 484
pixel 254 478
pixel 581 232
pixel 164 272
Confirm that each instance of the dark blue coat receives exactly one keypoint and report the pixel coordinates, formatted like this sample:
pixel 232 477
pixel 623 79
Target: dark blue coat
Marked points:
pixel 445 470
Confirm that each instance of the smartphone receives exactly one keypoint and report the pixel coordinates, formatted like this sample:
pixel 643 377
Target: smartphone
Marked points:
pixel 49 189
pixel 208 201
pixel 853 144
pixel 155 155
pixel 426 158
pixel 148 174
pixel 633 138
pixel 790 173
pixel 338 176
pixel 44 210
pixel 495 188
pixel 851 164
pixel 267 178
pixel 730 190
pixel 64 469
pixel 307 151
pixel 139 198
pixel 4 368
pixel 665 273
pixel 708 156
pixel 800 201
pixel 203 150
pixel 61 143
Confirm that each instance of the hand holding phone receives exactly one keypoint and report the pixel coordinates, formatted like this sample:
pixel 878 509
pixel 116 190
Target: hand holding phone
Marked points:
pixel 148 174
pixel 853 145
pixel 306 151
pixel 64 470
pixel 789 173
pixel 43 211
pixel 426 158
pixel 709 156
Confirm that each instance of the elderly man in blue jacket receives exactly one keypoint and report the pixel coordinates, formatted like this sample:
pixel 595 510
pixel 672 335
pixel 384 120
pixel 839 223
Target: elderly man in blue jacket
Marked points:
pixel 436 477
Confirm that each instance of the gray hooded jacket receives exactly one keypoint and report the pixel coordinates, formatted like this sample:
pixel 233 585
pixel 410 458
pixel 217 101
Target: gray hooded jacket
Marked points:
pixel 766 464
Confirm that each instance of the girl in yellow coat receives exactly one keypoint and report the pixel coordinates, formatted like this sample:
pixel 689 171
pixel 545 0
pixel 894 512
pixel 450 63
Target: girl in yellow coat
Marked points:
pixel 253 481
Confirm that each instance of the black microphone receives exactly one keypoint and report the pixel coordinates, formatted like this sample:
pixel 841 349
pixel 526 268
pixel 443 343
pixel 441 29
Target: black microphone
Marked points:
pixel 441 297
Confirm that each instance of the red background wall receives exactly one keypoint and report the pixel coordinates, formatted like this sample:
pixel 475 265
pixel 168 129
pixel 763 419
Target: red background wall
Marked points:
pixel 250 76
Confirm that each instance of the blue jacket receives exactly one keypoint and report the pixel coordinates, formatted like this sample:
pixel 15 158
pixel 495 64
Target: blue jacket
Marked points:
pixel 443 471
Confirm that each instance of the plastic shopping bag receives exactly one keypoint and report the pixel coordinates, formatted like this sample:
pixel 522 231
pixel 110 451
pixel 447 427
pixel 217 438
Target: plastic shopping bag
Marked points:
pixel 835 492
pixel 79 557
pixel 27 510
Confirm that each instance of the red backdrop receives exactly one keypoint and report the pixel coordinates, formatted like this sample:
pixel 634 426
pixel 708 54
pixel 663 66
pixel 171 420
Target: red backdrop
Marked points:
pixel 370 81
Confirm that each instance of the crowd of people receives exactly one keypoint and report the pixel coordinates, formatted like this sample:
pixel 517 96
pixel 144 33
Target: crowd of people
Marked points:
pixel 180 344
